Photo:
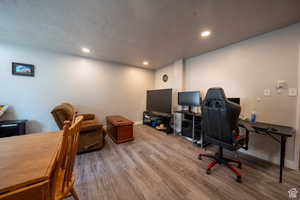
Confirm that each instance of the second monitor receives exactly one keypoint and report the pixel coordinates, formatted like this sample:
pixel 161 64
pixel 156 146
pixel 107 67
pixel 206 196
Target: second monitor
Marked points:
pixel 189 99
pixel 235 100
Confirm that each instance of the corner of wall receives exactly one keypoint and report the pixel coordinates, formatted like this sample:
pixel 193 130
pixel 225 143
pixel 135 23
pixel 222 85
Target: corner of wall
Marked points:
pixel 297 139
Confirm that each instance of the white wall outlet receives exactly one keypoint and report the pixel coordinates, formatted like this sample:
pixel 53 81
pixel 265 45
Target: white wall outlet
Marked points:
pixel 293 92
pixel 267 92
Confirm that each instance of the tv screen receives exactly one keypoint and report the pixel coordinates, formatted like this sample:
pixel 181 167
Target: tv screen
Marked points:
pixel 235 100
pixel 189 98
pixel 159 100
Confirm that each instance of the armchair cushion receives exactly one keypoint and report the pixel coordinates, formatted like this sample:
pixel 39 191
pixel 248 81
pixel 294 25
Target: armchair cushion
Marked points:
pixel 87 116
pixel 90 125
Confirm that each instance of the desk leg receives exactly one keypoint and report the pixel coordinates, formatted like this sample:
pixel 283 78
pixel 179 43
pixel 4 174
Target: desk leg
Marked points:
pixel 193 130
pixel 22 129
pixel 282 156
pixel 247 139
pixel 174 124
pixel 174 120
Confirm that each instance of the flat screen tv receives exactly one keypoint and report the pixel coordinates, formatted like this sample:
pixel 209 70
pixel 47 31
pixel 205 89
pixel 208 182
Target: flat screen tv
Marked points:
pixel 159 100
pixel 189 98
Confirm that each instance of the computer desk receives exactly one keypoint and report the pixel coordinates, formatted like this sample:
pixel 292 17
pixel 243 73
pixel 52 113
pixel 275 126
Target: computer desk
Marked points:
pixel 271 130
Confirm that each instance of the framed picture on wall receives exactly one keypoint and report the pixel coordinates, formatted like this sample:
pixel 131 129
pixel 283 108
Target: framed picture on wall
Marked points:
pixel 22 69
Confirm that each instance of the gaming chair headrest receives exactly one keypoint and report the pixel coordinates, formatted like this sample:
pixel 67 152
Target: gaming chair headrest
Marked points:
pixel 215 93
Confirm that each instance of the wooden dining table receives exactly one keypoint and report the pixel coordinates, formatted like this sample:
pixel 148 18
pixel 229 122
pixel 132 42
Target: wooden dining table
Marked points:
pixel 27 159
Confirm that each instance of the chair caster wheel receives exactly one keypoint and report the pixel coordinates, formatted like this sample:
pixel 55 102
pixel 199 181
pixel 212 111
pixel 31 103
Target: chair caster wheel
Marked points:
pixel 239 179
pixel 208 171
pixel 200 157
pixel 240 166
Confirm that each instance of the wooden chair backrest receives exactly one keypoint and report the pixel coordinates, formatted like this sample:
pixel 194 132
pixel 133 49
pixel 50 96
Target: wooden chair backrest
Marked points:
pixel 66 156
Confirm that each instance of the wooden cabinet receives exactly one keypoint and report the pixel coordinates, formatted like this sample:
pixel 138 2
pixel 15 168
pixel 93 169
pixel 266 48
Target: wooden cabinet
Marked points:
pixel 12 128
pixel 119 129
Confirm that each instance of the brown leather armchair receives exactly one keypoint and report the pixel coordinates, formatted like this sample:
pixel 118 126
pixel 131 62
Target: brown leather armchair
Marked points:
pixel 92 133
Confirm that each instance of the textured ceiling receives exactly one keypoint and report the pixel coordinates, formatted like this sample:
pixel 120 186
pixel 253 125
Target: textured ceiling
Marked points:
pixel 131 31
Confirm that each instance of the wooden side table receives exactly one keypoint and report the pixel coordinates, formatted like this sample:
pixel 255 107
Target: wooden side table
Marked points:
pixel 119 129
pixel 12 128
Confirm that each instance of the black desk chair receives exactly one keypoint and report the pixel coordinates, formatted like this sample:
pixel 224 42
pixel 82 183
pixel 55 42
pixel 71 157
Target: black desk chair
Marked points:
pixel 220 124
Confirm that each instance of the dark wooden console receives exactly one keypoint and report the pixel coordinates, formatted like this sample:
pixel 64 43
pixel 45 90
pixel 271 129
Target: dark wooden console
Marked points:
pixel 12 128
pixel 152 118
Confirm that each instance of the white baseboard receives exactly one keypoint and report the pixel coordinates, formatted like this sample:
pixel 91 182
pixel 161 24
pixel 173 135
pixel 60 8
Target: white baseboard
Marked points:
pixel 291 164
pixel 138 122
pixel 275 160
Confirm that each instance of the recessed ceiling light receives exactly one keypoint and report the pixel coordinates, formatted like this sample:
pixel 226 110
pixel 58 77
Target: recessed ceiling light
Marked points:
pixel 146 63
pixel 85 50
pixel 205 33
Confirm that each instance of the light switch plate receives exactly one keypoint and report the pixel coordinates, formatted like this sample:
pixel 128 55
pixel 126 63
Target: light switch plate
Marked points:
pixel 267 92
pixel 293 92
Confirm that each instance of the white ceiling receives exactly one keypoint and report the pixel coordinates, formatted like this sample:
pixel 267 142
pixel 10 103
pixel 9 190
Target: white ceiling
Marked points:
pixel 131 31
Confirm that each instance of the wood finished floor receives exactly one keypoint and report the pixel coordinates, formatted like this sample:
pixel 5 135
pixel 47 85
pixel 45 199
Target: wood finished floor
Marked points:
pixel 158 166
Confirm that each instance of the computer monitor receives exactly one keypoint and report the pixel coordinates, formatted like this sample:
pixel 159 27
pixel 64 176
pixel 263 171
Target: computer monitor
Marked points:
pixel 235 100
pixel 189 99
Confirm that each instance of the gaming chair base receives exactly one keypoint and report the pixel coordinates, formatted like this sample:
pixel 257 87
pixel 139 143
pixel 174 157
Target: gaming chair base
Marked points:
pixel 219 159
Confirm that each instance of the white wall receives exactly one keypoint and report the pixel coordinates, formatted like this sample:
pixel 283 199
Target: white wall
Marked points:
pixel 175 73
pixel 175 81
pixel 297 149
pixel 91 86
pixel 244 70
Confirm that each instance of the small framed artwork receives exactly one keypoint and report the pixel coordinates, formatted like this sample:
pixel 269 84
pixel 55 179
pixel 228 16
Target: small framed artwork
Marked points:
pixel 22 69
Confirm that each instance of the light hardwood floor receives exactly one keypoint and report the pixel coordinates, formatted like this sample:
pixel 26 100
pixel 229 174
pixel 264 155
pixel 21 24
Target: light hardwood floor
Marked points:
pixel 158 166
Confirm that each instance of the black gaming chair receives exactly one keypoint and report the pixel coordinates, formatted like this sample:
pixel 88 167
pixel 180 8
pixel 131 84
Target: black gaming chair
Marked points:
pixel 219 125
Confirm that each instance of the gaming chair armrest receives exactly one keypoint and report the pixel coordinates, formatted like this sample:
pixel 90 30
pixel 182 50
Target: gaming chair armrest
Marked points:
pixel 242 141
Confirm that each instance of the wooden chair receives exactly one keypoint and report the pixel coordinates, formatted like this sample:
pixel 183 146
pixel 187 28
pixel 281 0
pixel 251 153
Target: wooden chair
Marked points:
pixel 62 181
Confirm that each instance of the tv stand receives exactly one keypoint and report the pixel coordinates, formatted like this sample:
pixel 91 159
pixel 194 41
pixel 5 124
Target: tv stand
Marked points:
pixel 154 119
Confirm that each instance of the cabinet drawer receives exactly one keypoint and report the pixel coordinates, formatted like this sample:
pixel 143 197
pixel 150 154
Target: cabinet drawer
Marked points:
pixel 125 132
